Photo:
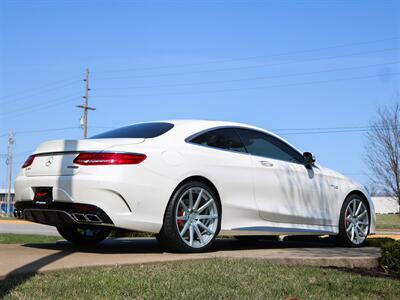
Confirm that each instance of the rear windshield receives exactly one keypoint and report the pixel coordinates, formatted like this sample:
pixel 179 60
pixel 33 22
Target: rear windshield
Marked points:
pixel 143 130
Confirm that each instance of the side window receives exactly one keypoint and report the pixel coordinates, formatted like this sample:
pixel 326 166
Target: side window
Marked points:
pixel 261 144
pixel 225 138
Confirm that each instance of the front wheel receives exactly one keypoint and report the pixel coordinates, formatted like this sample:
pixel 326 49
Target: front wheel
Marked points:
pixel 83 236
pixel 192 219
pixel 354 222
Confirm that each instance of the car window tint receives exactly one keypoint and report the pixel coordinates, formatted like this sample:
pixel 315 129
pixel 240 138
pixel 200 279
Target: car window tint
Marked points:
pixel 261 144
pixel 224 138
pixel 143 130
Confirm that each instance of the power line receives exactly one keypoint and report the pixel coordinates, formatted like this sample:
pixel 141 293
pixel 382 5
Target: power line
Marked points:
pixel 249 57
pixel 53 130
pixel 254 88
pixel 40 93
pixel 257 78
pixel 324 132
pixel 333 128
pixel 37 88
pixel 248 67
pixel 39 107
pixel 45 130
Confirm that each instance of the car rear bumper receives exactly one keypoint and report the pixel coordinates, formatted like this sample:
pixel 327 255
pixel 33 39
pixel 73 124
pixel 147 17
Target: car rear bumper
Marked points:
pixel 59 214
pixel 129 199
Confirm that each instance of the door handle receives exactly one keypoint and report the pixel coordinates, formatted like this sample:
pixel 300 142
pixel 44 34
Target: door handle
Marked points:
pixel 266 163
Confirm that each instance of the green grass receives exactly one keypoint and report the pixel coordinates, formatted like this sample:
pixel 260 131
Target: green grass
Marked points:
pixel 390 221
pixel 10 238
pixel 213 279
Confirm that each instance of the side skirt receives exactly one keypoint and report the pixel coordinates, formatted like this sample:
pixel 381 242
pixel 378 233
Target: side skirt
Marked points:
pixel 266 230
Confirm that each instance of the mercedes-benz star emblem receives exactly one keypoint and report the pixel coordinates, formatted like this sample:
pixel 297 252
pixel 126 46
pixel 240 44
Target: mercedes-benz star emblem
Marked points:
pixel 49 161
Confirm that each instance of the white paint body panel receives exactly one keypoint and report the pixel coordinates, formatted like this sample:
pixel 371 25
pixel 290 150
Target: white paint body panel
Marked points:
pixel 285 198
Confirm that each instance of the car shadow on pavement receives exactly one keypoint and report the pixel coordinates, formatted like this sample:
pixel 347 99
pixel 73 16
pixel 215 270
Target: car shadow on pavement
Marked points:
pixel 25 272
pixel 150 245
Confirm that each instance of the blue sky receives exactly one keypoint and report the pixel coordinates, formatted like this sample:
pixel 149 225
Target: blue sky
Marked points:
pixel 276 64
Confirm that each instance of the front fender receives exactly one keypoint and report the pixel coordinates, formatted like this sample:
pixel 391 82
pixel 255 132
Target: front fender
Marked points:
pixel 360 190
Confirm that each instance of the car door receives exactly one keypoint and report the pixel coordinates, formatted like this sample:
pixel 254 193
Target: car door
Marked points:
pixel 229 167
pixel 284 187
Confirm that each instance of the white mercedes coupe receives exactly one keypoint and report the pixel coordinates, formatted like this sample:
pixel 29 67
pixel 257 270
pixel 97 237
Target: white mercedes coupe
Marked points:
pixel 188 181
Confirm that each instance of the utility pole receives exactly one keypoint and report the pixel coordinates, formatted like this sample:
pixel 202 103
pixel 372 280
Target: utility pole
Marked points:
pixel 3 182
pixel 11 141
pixel 86 106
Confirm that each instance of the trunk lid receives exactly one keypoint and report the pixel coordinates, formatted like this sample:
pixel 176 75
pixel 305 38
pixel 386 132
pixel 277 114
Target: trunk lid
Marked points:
pixel 55 158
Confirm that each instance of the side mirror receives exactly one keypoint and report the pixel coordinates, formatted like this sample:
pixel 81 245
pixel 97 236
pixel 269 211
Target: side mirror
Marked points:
pixel 309 158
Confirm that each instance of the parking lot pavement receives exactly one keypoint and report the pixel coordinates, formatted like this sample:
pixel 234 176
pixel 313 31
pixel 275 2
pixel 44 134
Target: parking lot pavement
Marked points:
pixel 35 258
pixel 25 227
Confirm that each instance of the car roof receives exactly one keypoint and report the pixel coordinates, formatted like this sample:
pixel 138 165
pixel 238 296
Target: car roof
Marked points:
pixel 184 128
pixel 210 123
pixel 205 124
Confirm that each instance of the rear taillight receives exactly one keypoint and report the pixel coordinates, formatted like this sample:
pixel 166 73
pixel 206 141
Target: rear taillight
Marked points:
pixel 28 161
pixel 95 159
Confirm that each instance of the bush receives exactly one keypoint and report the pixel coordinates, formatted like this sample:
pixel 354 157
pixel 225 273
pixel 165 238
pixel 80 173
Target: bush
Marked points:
pixel 390 256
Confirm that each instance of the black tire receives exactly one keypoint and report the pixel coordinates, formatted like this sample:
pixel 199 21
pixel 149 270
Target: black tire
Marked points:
pixel 169 236
pixel 342 239
pixel 81 236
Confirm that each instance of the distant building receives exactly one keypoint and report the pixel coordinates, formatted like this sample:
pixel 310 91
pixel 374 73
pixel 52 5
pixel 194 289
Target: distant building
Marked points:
pixel 386 205
pixel 3 201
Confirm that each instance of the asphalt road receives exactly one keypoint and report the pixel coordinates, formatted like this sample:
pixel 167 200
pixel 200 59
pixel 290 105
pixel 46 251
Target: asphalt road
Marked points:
pixel 23 227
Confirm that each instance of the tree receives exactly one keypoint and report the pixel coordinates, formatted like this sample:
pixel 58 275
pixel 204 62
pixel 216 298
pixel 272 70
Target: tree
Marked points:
pixel 382 150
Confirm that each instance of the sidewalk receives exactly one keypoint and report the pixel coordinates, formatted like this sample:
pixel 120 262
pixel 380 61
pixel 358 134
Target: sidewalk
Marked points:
pixel 36 258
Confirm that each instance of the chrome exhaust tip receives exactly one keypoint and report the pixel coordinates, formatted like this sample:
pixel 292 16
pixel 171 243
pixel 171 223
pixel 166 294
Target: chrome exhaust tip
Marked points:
pixel 93 218
pixel 79 217
pixel 90 218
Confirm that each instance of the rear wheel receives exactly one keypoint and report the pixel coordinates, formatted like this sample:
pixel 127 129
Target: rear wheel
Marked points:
pixel 83 236
pixel 354 222
pixel 192 219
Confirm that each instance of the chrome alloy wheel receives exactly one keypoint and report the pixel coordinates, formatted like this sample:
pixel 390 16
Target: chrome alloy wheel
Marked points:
pixel 356 221
pixel 196 217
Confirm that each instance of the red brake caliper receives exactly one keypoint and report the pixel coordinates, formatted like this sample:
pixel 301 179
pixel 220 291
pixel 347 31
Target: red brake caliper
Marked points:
pixel 347 222
pixel 180 214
